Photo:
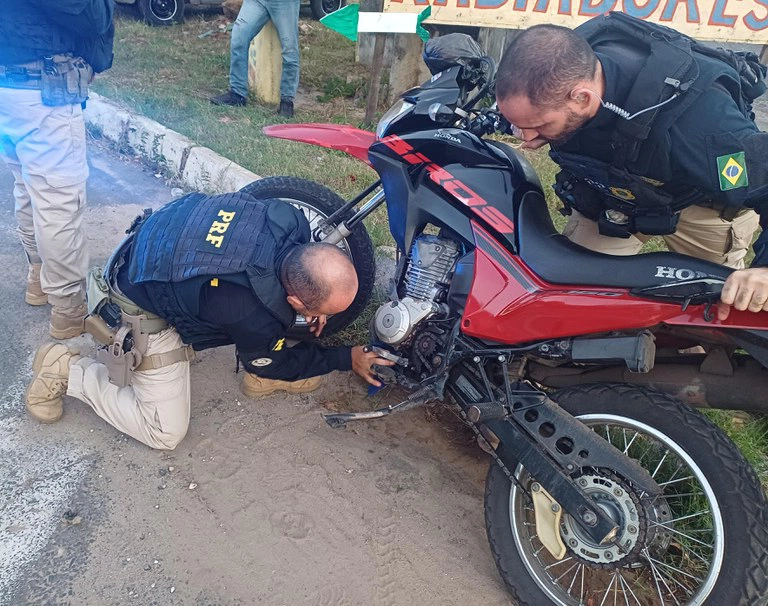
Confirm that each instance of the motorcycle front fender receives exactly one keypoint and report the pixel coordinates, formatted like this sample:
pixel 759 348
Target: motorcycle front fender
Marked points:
pixel 350 140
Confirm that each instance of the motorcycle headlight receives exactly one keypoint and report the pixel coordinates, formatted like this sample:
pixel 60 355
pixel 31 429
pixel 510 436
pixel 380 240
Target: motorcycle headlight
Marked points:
pixel 393 113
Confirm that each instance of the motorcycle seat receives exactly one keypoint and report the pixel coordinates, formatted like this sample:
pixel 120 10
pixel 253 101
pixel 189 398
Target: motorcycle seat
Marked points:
pixel 557 260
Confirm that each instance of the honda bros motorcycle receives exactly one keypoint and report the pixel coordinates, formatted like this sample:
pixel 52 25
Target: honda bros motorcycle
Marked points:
pixel 605 486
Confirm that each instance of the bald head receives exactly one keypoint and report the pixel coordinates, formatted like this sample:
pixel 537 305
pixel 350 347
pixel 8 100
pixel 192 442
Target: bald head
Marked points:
pixel 321 277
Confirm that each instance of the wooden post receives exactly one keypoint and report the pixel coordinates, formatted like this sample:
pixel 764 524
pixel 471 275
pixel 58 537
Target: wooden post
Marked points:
pixel 408 68
pixel 372 103
pixel 265 65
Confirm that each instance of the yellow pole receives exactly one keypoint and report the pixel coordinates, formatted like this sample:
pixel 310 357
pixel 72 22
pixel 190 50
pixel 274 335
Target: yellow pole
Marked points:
pixel 265 64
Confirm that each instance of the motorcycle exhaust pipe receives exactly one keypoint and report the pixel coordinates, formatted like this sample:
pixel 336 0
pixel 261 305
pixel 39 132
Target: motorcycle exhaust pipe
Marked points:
pixel 743 388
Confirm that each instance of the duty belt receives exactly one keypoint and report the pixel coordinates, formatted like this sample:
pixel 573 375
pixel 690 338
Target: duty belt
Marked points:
pixel 151 324
pixel 23 76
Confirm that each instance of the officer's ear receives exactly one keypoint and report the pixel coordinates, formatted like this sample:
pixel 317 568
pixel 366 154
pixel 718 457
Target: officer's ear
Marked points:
pixel 296 303
pixel 582 96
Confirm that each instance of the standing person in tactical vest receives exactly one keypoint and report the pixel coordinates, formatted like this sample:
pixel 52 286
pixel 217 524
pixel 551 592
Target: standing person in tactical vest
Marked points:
pixel 654 135
pixel 49 52
pixel 201 272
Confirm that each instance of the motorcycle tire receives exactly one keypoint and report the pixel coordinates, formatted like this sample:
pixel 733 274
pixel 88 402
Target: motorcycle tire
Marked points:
pixel 678 542
pixel 315 201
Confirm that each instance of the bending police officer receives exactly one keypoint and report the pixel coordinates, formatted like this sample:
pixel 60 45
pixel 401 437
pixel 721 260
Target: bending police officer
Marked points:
pixel 654 136
pixel 202 272
pixel 49 52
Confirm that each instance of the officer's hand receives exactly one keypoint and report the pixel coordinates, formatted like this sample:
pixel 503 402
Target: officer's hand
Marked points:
pixel 362 361
pixel 744 289
pixel 316 324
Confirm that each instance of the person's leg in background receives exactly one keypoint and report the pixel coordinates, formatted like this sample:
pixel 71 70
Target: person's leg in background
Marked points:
pixel 703 233
pixel 285 16
pixel 584 232
pixel 34 294
pixel 250 20
pixel 49 156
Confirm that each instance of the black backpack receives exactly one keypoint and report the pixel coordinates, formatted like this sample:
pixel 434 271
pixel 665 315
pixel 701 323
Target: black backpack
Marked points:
pixel 674 64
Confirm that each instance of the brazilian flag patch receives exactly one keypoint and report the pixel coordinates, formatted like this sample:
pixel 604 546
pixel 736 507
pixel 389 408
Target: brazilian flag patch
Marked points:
pixel 732 170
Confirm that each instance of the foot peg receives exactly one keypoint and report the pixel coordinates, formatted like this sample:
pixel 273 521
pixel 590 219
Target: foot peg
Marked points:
pixel 418 398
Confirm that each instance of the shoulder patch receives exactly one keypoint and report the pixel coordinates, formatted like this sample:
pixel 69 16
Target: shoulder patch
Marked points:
pixel 732 171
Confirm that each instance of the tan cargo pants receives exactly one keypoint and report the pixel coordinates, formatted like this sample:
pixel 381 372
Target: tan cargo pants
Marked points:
pixel 45 149
pixel 154 409
pixel 701 232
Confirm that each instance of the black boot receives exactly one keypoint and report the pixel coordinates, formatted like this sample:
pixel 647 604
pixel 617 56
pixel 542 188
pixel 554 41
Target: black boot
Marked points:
pixel 229 98
pixel 286 108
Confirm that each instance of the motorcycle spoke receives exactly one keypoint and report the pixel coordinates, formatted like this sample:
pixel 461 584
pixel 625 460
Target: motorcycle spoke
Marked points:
pixel 657 577
pixel 625 583
pixel 632 441
pixel 684 535
pixel 673 480
pixel 608 590
pixel 557 580
pixel 665 566
pixel 664 458
pixel 688 517
pixel 661 567
pixel 558 563
pixel 676 495
pixel 575 576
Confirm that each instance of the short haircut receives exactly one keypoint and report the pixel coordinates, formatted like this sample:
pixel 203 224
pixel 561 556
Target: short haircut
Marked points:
pixel 300 275
pixel 544 63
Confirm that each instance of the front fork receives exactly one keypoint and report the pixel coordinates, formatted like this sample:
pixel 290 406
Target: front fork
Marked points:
pixel 334 229
pixel 551 444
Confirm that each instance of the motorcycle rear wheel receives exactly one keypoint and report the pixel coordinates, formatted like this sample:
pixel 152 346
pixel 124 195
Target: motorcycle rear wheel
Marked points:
pixel 316 202
pixel 703 542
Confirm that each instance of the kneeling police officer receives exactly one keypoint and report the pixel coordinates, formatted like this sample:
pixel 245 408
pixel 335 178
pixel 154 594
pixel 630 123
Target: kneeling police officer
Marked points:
pixel 201 272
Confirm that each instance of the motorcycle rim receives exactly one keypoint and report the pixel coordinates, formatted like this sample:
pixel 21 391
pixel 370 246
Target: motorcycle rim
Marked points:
pixel 672 574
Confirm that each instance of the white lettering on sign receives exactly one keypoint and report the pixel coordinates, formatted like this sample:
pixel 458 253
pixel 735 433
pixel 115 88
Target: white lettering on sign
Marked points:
pixel 719 20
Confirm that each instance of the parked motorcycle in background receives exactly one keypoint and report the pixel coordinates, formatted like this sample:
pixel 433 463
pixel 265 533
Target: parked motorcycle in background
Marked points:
pixel 604 487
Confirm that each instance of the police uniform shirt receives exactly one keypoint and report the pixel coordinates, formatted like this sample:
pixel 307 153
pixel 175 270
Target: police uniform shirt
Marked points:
pixel 701 142
pixel 259 338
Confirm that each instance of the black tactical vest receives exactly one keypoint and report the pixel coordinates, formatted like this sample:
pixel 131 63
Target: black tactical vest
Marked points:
pixel 674 71
pixel 27 34
pixel 195 239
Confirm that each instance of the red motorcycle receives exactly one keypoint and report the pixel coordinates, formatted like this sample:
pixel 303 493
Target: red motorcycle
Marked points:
pixel 605 487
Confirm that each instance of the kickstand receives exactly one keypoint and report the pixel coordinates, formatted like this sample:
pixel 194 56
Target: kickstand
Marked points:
pixel 433 391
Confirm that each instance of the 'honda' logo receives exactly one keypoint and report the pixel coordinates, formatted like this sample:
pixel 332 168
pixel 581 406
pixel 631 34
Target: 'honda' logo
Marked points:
pixel 673 273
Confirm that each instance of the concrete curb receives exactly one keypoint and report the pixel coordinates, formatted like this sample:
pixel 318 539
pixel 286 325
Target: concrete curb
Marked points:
pixel 196 168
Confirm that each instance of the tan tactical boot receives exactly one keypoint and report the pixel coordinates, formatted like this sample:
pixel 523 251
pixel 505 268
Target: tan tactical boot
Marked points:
pixel 35 294
pixel 68 322
pixel 49 382
pixel 255 387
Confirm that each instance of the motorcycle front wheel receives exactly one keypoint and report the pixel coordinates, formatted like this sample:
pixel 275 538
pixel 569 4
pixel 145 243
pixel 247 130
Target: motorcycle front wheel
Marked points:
pixel 703 542
pixel 318 202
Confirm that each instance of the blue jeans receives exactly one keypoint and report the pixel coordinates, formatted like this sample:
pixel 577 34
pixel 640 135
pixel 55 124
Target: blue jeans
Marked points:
pixel 253 15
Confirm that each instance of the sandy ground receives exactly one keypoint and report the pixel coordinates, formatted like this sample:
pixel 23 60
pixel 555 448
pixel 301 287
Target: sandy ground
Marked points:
pixel 262 503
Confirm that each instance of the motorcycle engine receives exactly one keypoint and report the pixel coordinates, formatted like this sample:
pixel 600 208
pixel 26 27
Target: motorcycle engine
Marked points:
pixel 430 264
